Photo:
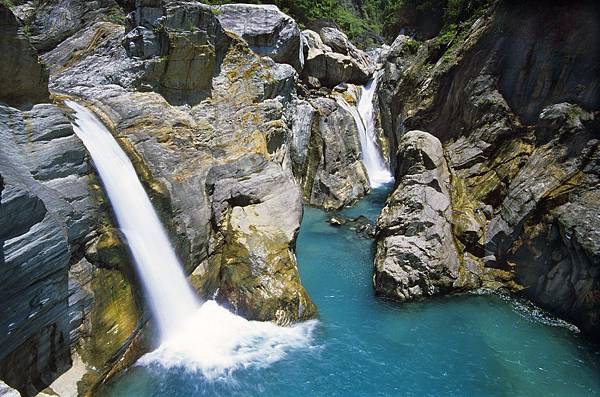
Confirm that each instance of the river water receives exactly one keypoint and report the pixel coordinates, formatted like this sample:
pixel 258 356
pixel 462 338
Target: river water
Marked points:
pixel 469 345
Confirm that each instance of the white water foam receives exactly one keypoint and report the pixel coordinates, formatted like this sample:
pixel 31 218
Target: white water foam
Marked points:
pixel 203 337
pixel 216 342
pixel 364 116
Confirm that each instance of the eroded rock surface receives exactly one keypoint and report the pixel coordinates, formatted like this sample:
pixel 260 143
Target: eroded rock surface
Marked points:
pixel 267 30
pixel 325 154
pixel 416 255
pixel 256 214
pixel 329 66
pixel 521 151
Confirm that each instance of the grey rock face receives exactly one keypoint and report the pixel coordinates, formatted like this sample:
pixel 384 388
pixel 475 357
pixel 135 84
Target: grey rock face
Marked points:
pixel 256 213
pixel 243 111
pixel 518 219
pixel 30 85
pixel 46 212
pixel 51 22
pixel 325 154
pixel 415 253
pixel 325 66
pixel 267 30
pixel 183 44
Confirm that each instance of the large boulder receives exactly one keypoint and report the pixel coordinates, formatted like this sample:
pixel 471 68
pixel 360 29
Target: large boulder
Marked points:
pixel 50 22
pixel 267 30
pixel 183 44
pixel 416 255
pixel 256 213
pixel 23 79
pixel 334 63
pixel 325 153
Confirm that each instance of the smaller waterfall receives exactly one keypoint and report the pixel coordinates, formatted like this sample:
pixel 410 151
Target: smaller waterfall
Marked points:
pixel 203 337
pixel 377 169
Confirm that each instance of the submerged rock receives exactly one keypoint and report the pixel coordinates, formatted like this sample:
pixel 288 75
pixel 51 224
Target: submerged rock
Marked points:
pixel 415 253
pixel 361 224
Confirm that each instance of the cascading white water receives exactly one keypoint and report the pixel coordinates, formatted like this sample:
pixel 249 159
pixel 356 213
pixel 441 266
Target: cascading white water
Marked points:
pixel 169 295
pixel 364 115
pixel 203 337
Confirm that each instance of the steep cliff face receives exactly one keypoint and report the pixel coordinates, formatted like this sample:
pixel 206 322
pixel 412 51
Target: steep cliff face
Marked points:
pixel 513 97
pixel 52 217
pixel 233 103
pixel 325 152
pixel 188 99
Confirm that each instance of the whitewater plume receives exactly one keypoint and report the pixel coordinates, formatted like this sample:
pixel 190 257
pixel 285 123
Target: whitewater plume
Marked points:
pixel 364 116
pixel 204 337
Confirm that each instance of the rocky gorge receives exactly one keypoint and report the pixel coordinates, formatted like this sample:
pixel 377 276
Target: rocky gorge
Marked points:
pixel 234 116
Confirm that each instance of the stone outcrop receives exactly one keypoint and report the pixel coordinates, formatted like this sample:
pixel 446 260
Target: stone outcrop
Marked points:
pixel 48 23
pixel 520 144
pixel 183 44
pixel 50 214
pixel 30 85
pixel 334 63
pixel 244 108
pixel 256 213
pixel 267 30
pixel 416 255
pixel 325 153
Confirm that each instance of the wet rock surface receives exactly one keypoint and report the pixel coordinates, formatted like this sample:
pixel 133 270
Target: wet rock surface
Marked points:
pixel 360 224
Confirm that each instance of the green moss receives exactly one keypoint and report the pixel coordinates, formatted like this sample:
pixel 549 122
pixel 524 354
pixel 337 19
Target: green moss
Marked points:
pixel 115 14
pixel 113 318
pixel 411 46
pixel 7 3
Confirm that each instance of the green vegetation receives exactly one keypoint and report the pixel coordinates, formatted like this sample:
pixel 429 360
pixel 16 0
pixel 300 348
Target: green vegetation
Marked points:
pixel 429 18
pixel 364 21
pixel 7 3
pixel 360 20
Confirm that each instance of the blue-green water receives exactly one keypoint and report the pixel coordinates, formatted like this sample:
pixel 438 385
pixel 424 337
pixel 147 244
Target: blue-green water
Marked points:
pixel 467 345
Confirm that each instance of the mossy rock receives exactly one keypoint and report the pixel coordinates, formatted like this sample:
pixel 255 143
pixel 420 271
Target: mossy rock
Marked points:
pixel 114 317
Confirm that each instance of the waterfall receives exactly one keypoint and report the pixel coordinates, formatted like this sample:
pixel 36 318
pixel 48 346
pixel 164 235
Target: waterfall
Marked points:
pixel 204 337
pixel 364 115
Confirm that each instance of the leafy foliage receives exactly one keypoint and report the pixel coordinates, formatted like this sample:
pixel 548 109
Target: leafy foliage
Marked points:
pixel 360 20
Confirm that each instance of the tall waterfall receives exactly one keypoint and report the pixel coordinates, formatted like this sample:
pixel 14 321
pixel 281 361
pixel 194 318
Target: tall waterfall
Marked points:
pixel 204 337
pixel 364 116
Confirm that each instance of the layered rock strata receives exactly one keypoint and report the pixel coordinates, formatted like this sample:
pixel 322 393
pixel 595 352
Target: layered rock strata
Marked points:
pixel 519 128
